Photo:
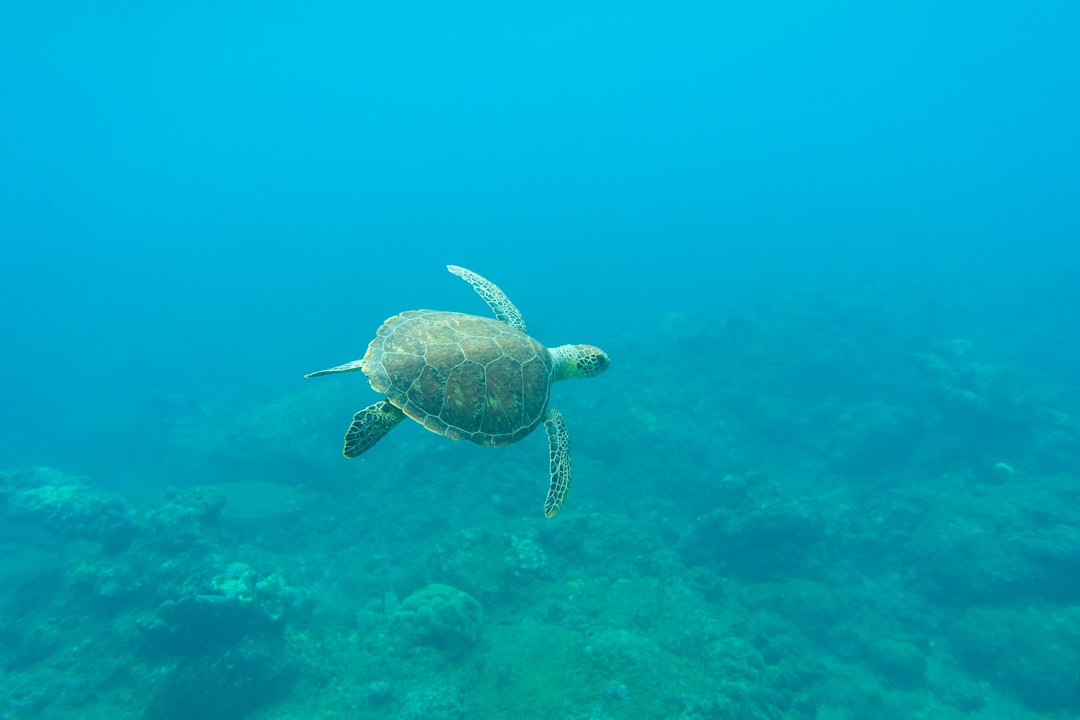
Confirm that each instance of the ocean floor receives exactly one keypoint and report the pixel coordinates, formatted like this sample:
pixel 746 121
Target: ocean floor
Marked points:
pixel 836 507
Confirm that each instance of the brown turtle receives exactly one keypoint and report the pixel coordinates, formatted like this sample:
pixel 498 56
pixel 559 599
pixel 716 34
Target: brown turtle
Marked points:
pixel 469 378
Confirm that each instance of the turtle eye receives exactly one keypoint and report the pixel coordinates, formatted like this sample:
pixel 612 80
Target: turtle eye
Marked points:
pixel 596 363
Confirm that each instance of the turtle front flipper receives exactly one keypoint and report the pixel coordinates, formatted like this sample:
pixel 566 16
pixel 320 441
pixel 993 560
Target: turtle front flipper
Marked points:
pixel 370 425
pixel 347 367
pixel 559 459
pixel 495 298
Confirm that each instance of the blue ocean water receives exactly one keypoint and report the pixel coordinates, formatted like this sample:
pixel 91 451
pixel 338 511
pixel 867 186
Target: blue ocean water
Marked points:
pixel 832 251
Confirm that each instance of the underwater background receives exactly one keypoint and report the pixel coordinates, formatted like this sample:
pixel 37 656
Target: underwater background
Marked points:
pixel 832 249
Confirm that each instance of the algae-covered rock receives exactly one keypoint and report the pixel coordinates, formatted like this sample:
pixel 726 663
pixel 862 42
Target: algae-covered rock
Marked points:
pixel 986 398
pixel 872 437
pixel 440 702
pixel 193 506
pixel 227 684
pixel 1034 654
pixel 1004 543
pixel 215 610
pixel 899 662
pixel 763 539
pixel 492 566
pixel 441 617
pixel 65 505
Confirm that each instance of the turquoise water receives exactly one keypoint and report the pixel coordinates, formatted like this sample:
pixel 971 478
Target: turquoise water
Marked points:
pixel 831 474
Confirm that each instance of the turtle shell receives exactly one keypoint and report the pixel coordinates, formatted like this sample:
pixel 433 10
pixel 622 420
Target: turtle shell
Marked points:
pixel 462 376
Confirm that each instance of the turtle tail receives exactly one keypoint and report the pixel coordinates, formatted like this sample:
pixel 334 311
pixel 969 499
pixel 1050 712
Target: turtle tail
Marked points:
pixel 347 367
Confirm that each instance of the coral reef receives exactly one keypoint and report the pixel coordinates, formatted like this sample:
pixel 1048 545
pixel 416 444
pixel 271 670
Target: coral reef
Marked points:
pixel 66 505
pixel 1033 653
pixel 789 515
pixel 439 702
pixel 200 636
pixel 220 609
pixel 441 617
pixel 230 682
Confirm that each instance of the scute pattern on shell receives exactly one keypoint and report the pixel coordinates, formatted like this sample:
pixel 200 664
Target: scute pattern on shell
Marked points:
pixel 462 376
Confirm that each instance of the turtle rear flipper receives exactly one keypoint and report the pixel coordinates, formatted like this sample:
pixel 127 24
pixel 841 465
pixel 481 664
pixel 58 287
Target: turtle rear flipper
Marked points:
pixel 370 425
pixel 559 459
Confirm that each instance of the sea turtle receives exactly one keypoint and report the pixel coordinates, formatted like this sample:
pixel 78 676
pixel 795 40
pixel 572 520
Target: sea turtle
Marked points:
pixel 469 377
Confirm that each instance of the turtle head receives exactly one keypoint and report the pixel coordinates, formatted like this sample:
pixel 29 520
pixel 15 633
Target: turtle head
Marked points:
pixel 578 361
